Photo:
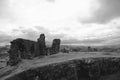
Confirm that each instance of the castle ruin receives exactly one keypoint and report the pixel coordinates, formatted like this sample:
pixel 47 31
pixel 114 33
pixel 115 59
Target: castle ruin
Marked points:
pixel 27 49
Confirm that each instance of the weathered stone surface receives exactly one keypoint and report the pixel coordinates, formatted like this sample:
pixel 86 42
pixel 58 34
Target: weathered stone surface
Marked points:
pixel 14 54
pixel 21 49
pixel 41 46
pixel 55 46
pixel 26 49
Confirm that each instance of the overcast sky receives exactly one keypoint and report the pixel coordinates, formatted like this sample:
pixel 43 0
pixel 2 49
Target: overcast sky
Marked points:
pixel 73 21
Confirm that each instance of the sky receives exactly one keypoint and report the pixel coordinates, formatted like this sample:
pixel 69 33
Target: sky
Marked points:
pixel 80 22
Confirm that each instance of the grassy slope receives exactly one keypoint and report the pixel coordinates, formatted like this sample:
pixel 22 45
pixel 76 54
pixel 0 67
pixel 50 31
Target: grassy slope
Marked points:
pixel 38 62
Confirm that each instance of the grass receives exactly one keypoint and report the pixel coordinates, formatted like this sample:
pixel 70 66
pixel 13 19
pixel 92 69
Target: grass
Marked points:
pixel 61 57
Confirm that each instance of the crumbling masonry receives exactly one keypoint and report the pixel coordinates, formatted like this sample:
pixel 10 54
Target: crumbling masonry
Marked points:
pixel 26 49
pixel 40 46
pixel 55 46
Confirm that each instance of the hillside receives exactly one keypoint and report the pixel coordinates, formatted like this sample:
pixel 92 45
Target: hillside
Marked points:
pixel 26 65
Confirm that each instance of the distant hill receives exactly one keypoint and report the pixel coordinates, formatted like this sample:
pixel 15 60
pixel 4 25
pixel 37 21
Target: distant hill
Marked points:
pixel 4 49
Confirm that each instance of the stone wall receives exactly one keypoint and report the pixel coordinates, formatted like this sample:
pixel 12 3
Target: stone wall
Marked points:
pixel 21 49
pixel 55 46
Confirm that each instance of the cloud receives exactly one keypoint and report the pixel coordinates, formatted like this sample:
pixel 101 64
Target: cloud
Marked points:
pixel 50 0
pixel 110 40
pixel 5 11
pixel 4 38
pixel 34 33
pixel 113 40
pixel 59 19
pixel 84 42
pixel 109 9
pixel 42 13
pixel 2 7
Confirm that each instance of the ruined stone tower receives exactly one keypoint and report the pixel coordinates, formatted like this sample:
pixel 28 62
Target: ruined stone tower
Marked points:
pixel 41 46
pixel 55 46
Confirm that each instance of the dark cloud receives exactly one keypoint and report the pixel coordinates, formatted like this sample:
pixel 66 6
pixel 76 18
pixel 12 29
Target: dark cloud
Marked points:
pixel 85 42
pixel 115 40
pixel 4 38
pixel 49 36
pixel 33 34
pixel 28 33
pixel 112 40
pixel 110 9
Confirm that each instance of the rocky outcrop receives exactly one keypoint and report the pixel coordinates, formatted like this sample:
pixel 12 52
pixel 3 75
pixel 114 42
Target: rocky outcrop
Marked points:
pixel 102 68
pixel 55 46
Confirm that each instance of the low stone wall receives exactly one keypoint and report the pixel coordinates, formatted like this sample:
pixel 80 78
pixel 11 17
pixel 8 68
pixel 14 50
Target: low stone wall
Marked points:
pixel 83 69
